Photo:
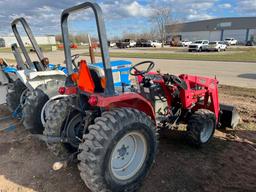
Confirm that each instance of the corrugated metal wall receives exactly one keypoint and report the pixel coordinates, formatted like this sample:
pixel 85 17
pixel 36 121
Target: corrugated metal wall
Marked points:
pixel 239 35
pixel 252 32
pixel 215 36
pixel 192 36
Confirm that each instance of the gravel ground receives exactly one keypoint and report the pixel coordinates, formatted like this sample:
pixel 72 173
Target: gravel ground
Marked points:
pixel 228 163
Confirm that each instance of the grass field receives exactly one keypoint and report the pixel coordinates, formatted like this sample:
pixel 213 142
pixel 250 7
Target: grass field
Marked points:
pixel 235 55
pixel 45 48
pixel 240 54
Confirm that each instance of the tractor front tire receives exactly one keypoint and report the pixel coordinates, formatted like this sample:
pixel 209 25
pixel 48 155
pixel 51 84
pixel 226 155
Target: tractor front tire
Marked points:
pixel 118 151
pixel 14 93
pixel 34 104
pixel 201 127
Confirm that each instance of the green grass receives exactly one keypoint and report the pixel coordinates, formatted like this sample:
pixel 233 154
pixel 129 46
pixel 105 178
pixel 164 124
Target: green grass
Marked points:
pixel 235 55
pixel 5 50
pixel 45 48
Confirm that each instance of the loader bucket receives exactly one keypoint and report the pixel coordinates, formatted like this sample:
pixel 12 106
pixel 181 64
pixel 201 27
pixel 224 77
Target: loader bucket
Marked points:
pixel 229 116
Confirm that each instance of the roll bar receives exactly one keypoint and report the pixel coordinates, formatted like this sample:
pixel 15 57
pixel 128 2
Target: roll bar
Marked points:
pixel 109 91
pixel 32 40
pixel 18 57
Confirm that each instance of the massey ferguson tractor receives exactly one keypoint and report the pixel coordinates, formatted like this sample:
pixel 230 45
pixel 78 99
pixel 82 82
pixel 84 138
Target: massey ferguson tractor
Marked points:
pixel 114 132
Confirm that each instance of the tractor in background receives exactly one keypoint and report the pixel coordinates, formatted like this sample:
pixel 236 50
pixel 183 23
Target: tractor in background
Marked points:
pixel 35 83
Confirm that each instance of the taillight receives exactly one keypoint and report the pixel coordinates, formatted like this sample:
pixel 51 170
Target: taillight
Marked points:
pixel 93 100
pixel 68 90
pixel 62 90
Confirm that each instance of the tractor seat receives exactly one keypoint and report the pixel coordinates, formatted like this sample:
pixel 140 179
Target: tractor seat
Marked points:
pixel 97 74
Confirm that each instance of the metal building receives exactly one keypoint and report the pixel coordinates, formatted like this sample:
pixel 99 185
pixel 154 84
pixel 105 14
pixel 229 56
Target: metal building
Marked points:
pixel 240 28
pixel 41 40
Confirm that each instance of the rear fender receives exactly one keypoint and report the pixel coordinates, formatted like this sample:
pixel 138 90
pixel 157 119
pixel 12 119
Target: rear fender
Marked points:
pixel 32 79
pixel 127 100
pixel 52 99
pixel 22 76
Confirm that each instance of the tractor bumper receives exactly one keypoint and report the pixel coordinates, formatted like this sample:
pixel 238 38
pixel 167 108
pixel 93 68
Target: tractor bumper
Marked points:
pixel 229 116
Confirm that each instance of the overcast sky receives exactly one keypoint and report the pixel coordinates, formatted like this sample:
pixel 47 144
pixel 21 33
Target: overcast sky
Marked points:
pixel 120 16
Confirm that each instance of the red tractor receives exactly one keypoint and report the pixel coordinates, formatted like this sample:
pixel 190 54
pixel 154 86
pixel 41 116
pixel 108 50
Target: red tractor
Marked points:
pixel 115 132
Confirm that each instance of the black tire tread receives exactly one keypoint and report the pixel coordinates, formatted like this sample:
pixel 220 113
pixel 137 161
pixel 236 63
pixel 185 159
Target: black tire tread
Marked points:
pixel 195 122
pixel 58 111
pixel 34 104
pixel 96 143
pixel 13 95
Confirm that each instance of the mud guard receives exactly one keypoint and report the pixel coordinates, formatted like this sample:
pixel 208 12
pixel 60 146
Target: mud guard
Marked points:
pixel 229 116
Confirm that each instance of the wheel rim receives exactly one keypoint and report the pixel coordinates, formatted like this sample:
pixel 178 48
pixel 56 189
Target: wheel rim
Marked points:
pixel 128 155
pixel 206 132
pixel 23 97
pixel 75 130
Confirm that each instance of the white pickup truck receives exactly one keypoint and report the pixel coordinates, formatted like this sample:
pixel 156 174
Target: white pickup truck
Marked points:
pixel 199 46
pixel 155 43
pixel 231 41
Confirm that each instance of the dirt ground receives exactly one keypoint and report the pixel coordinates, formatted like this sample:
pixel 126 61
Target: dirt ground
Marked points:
pixel 228 163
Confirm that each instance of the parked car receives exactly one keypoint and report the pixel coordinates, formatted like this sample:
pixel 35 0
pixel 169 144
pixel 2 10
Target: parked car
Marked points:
pixel 111 44
pixel 132 43
pixel 231 41
pixel 200 45
pixel 143 43
pixel 217 46
pixel 126 43
pixel 252 41
pixel 185 43
pixel 156 43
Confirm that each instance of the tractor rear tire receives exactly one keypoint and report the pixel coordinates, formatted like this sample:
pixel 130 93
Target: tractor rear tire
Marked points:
pixel 34 104
pixel 15 91
pixel 201 127
pixel 101 166
pixel 54 120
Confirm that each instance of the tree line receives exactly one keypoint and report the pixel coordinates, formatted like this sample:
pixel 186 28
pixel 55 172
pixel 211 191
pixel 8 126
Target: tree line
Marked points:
pixel 160 17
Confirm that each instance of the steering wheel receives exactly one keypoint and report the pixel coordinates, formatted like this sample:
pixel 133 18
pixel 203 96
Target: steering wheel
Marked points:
pixel 74 58
pixel 135 72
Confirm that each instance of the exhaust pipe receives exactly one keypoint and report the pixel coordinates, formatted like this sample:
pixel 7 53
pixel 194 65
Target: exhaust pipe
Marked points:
pixel 229 116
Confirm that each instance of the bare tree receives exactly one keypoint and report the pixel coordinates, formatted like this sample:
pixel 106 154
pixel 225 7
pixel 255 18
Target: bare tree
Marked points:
pixel 147 35
pixel 161 17
pixel 58 38
pixel 79 38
